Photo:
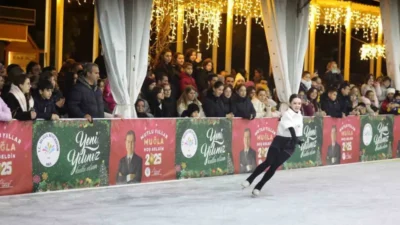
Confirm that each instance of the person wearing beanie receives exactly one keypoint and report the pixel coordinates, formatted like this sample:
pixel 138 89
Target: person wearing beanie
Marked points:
pixel 192 111
pixel 239 79
pixel 388 104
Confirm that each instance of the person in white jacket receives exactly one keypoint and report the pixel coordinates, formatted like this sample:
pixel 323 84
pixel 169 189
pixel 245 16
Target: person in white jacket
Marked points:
pixel 261 109
pixel 289 133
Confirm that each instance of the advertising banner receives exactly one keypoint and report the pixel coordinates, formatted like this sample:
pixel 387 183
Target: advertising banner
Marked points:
pixel 309 153
pixel 396 138
pixel 142 151
pixel 70 154
pixel 376 137
pixel 341 142
pixel 203 148
pixel 15 158
pixel 252 139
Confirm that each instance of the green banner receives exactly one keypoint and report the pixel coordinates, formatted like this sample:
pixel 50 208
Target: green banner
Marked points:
pixel 70 154
pixel 203 148
pixel 309 153
pixel 376 137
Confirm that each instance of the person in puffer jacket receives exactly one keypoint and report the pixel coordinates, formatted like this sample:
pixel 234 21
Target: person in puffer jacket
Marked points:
pixel 242 105
pixel 86 99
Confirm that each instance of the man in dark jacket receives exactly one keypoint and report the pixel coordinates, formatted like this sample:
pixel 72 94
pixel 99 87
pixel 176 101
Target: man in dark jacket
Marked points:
pixel 331 106
pixel 344 98
pixel 86 99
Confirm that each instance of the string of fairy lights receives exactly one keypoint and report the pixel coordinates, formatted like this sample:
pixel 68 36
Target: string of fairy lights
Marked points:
pixel 80 2
pixel 206 15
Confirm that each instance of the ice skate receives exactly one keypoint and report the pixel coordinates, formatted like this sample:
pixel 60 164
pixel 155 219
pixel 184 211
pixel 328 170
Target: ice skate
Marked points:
pixel 255 193
pixel 245 184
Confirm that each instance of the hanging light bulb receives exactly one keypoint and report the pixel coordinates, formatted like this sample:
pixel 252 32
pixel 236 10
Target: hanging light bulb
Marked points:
pixel 82 1
pixel 244 9
pixel 372 51
pixel 204 15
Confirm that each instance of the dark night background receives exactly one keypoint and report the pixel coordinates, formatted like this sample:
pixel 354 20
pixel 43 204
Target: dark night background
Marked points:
pixel 78 35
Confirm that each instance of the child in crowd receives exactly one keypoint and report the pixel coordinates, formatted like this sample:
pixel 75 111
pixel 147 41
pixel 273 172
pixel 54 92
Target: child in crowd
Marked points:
pixel 192 111
pixel 44 106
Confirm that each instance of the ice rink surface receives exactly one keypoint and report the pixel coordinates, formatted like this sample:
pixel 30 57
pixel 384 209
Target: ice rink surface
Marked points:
pixel 356 194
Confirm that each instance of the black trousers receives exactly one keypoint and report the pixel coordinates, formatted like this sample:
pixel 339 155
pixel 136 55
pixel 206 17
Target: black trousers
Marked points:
pixel 275 158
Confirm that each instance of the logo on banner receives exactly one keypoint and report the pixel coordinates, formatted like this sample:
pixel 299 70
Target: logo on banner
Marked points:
pixel 147 172
pixel 189 143
pixel 48 149
pixel 367 134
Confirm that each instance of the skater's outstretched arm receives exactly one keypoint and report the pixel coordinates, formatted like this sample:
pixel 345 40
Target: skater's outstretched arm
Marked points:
pixel 295 139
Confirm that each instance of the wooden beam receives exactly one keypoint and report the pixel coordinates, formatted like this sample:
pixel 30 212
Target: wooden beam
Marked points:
pixel 59 34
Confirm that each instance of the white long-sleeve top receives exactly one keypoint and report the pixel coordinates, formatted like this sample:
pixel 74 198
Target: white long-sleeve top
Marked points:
pixel 261 108
pixel 290 119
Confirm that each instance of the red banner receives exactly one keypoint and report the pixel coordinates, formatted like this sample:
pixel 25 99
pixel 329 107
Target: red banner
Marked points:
pixel 396 138
pixel 250 142
pixel 142 151
pixel 15 158
pixel 341 142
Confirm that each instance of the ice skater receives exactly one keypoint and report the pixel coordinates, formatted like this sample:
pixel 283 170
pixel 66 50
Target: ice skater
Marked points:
pixel 290 130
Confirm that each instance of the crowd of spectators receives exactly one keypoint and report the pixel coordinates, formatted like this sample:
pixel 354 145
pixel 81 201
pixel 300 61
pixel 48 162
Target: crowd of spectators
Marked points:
pixel 183 85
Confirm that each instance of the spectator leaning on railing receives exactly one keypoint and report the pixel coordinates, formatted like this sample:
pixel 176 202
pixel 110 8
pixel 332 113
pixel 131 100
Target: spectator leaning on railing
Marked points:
pixel 213 104
pixel 19 99
pixel 44 105
pixel 331 105
pixel 86 99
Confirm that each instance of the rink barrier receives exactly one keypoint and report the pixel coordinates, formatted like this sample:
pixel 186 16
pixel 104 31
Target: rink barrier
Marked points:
pixel 48 156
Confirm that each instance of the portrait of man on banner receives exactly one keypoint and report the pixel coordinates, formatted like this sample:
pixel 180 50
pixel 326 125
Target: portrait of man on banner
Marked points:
pixel 130 166
pixel 333 156
pixel 247 155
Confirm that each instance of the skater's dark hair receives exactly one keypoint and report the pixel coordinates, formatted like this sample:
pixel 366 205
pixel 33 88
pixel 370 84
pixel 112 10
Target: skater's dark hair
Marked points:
pixel 131 133
pixel 292 97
